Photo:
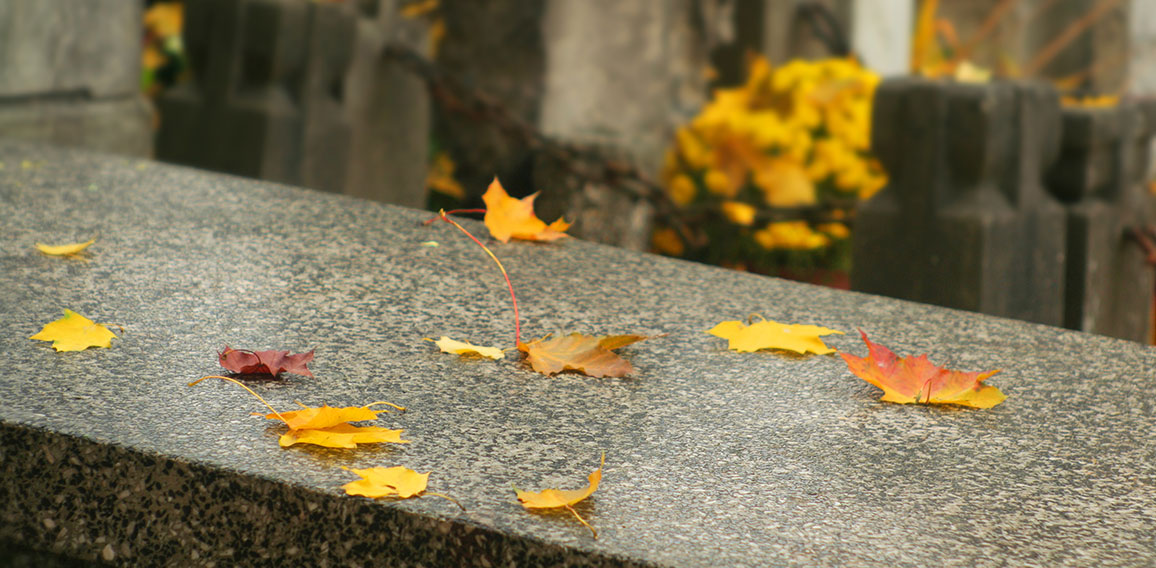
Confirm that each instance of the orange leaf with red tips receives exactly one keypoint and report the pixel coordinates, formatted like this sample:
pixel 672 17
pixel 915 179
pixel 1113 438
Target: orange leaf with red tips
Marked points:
pixel 916 380
pixel 510 218
pixel 577 352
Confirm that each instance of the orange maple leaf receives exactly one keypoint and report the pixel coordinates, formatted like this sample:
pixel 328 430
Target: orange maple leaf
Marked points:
pixel 577 352
pixel 555 498
pixel 916 380
pixel 510 218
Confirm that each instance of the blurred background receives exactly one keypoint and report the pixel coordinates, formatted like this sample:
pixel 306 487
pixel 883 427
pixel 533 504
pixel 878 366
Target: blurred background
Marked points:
pixel 741 133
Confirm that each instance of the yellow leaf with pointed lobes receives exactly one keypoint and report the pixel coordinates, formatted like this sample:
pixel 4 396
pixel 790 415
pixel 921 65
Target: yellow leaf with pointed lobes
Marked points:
pixel 510 218
pixel 397 481
pixel 74 332
pixel 769 334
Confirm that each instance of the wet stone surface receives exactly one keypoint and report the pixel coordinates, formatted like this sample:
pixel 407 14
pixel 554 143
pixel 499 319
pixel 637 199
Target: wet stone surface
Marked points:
pixel 712 457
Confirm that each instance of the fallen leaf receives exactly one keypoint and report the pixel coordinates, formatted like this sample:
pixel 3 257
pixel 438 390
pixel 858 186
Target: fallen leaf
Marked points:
pixel 325 416
pixel 329 426
pixel 769 334
pixel 64 250
pixel 555 498
pixel 916 380
pixel 466 348
pixel 325 425
pixel 577 352
pixel 341 436
pixel 398 481
pixel 273 363
pixel 74 332
pixel 510 218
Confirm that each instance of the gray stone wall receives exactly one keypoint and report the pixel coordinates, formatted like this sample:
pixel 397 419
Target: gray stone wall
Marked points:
pixel 70 72
pixel 1001 203
pixel 965 221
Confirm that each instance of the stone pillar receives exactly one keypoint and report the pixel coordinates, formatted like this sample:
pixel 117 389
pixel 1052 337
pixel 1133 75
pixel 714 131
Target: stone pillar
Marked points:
pixel 965 221
pixel 389 109
pixel 70 74
pixel 266 98
pixel 1100 177
pixel 625 92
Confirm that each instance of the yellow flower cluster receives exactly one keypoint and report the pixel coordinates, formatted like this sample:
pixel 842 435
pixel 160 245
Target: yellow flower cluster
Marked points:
pixel 785 132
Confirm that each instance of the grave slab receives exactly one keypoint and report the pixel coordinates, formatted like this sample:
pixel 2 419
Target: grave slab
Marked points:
pixel 713 458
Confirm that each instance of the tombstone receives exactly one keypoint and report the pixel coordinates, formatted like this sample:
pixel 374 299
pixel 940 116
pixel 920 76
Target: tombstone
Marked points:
pixel 965 221
pixel 70 75
pixel 1100 177
pixel 266 98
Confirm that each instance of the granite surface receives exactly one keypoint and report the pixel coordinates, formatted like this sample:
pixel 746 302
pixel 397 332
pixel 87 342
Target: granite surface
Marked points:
pixel 712 457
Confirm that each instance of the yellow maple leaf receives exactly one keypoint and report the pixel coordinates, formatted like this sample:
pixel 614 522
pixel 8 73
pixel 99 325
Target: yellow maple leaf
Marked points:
pixel 769 334
pixel 342 435
pixel 330 426
pixel 555 498
pixel 64 250
pixel 587 354
pixel 325 416
pixel 74 332
pixel 398 481
pixel 466 348
pixel 510 218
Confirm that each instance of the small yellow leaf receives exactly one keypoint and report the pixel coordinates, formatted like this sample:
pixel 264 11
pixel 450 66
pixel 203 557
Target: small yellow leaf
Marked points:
pixel 769 334
pixel 341 436
pixel 554 498
pixel 74 332
pixel 466 348
pixel 398 481
pixel 64 250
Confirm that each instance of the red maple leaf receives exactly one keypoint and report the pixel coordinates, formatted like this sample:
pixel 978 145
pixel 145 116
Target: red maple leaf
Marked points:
pixel 272 363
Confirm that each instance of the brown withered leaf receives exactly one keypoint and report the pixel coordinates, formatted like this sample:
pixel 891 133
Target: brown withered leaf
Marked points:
pixel 586 354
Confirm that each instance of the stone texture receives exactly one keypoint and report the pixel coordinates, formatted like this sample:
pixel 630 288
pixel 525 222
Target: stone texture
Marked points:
pixel 965 221
pixel 712 457
pixel 1102 178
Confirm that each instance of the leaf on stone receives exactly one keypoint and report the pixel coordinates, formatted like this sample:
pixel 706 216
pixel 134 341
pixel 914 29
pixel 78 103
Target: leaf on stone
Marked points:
pixel 769 334
pixel 329 426
pixel 64 250
pixel 593 356
pixel 399 481
pixel 556 498
pixel 510 218
pixel 916 380
pixel 341 436
pixel 74 332
pixel 272 363
pixel 467 349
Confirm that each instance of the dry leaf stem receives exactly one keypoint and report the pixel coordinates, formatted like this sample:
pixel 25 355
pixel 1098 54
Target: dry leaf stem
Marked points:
pixel 513 297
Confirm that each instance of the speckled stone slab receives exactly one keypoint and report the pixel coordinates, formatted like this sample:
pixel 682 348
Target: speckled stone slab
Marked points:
pixel 713 458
